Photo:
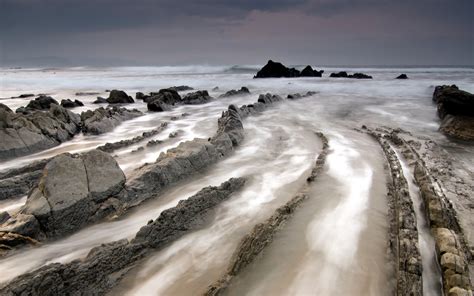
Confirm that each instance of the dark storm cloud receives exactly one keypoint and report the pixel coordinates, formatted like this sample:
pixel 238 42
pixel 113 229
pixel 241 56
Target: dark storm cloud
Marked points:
pixel 169 31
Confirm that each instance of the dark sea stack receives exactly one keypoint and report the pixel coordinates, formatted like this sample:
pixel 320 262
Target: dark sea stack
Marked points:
pixel 119 97
pixel 276 70
pixel 402 76
pixel 241 92
pixel 309 72
pixel 456 111
pixel 341 74
pixel 67 103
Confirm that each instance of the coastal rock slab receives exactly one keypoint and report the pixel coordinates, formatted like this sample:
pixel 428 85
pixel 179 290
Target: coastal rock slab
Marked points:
pixel 104 120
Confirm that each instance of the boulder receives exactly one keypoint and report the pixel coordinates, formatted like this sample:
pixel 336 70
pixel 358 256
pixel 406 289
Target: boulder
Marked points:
pixel 198 97
pixel 456 111
pixel 341 74
pixel 5 108
pixel 104 120
pixel 23 134
pixel 309 72
pixel 70 192
pixel 119 97
pixel 67 103
pixel 242 91
pixel 40 103
pixel 402 76
pixel 141 96
pixel 276 70
pixel 100 100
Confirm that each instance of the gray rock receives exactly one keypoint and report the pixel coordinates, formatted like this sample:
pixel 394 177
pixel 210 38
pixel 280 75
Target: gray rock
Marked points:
pixel 71 104
pixel 5 108
pixel 105 265
pixel 198 97
pixel 24 134
pixel 70 191
pixel 242 91
pixel 40 103
pixel 119 97
pixel 103 120
pixel 100 100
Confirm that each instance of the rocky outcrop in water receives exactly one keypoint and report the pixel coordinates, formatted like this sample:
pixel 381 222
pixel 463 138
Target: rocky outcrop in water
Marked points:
pixel 300 96
pixel 104 120
pixel 71 104
pixel 344 74
pixel 309 72
pixel 40 103
pixel 198 97
pixel 105 265
pixel 110 147
pixel 241 92
pixel 17 182
pixel 119 97
pixel 100 100
pixel 456 111
pixel 254 243
pixel 73 191
pixel 164 100
pixel 277 70
pixel 403 231
pixel 24 134
pixel 402 76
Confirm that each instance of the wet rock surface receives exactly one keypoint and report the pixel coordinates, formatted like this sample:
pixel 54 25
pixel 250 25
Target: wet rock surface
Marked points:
pixel 402 76
pixel 403 232
pixel 110 147
pixel 69 195
pixel 71 104
pixel 105 265
pixel 241 92
pixel 23 134
pixel 40 103
pixel 300 96
pixel 456 111
pixel 119 97
pixel 17 182
pixel 198 97
pixel 254 243
pixel 104 120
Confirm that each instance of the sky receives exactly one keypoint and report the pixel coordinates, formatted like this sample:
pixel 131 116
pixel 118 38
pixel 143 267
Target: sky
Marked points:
pixel 220 32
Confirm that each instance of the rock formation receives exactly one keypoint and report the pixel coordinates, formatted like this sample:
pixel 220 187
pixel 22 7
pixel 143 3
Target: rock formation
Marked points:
pixel 23 134
pixel 402 76
pixel 40 103
pixel 277 70
pixel 119 97
pixel 456 111
pixel 241 92
pixel 344 74
pixel 71 104
pixel 103 120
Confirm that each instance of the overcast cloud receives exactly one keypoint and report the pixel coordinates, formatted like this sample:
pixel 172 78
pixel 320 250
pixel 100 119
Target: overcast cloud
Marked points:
pixel 169 32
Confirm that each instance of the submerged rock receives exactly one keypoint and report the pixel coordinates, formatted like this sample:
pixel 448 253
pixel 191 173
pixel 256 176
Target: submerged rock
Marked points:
pixel 300 96
pixel 103 120
pixel 402 76
pixel 456 111
pixel 23 134
pixel 242 91
pixel 119 97
pixel 71 104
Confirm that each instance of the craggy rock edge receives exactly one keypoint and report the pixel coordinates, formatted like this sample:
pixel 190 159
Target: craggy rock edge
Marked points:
pixel 453 253
pixel 262 234
pixel 403 233
pixel 105 265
